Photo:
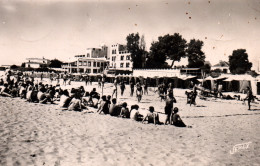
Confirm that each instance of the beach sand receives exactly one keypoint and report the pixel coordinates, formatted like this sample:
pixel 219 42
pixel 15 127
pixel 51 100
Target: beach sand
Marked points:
pixel 37 134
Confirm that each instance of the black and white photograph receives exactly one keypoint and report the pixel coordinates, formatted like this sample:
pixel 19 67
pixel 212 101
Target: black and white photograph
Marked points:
pixel 129 82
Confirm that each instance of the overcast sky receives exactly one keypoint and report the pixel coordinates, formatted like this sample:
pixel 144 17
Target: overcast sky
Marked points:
pixel 63 28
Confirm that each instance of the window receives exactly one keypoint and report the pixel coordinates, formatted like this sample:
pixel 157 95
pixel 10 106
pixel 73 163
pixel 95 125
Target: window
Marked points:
pixel 88 55
pixel 114 58
pixel 98 64
pixel 95 64
pixel 114 65
pixel 89 64
pixel 127 64
pixel 85 64
pixel 122 58
pixel 121 65
pixel 94 70
pixel 80 63
pixel 128 57
pixel 101 64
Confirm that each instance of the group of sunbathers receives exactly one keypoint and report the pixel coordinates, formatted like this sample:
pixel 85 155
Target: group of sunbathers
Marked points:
pixel 77 99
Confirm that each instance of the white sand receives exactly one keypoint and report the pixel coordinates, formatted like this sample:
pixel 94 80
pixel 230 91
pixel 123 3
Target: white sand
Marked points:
pixel 36 134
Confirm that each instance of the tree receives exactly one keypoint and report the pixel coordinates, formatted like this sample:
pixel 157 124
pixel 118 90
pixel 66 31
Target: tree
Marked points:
pixel 136 46
pixel 55 63
pixel 238 62
pixel 23 65
pixel 14 67
pixel 156 59
pixel 168 47
pixel 196 56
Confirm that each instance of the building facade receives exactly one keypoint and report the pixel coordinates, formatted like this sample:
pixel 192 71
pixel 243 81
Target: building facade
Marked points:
pixel 120 58
pixel 86 65
pixel 37 62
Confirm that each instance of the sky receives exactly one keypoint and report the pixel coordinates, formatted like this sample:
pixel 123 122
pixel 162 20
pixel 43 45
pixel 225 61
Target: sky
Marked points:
pixel 64 28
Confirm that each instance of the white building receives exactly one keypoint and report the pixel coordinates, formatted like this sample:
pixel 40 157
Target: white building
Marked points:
pixel 120 58
pixel 222 66
pixel 37 62
pixel 86 65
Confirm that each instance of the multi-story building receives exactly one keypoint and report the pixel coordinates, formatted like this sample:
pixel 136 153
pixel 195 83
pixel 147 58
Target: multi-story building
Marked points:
pixel 93 62
pixel 37 62
pixel 120 58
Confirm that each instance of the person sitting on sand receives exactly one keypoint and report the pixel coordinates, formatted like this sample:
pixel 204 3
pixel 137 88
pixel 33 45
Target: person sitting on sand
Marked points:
pixel 64 99
pixel 151 116
pixel 112 110
pixel 103 106
pixel 75 103
pixel 85 99
pixel 124 111
pixel 176 119
pixel 42 97
pixel 22 91
pixel 5 91
pixel 134 113
pixel 93 93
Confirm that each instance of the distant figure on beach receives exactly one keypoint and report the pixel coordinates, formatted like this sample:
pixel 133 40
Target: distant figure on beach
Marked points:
pixel 41 76
pixel 132 88
pixel 122 87
pixel 139 92
pixel 151 116
pixel 145 87
pixel 114 89
pixel 99 83
pixel 65 77
pixel 249 97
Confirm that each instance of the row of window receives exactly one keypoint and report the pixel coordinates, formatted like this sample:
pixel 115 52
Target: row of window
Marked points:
pixel 86 71
pixel 121 58
pixel 127 65
pixel 123 52
pixel 87 63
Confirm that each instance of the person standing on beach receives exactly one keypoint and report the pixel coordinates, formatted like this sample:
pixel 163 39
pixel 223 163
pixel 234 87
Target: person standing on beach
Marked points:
pixel 132 88
pixel 145 87
pixel 249 97
pixel 168 108
pixel 99 83
pixel 115 89
pixel 122 87
pixel 64 79
pixel 139 92
pixel 41 76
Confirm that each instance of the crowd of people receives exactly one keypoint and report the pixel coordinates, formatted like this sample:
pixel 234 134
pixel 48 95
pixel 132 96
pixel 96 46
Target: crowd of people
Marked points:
pixel 78 99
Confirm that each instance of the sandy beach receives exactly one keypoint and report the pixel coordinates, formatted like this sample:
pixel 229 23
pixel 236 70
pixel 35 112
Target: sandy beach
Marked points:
pixel 37 134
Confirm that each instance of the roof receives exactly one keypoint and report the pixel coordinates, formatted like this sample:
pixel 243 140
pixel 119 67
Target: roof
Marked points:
pixel 221 64
pixel 37 59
